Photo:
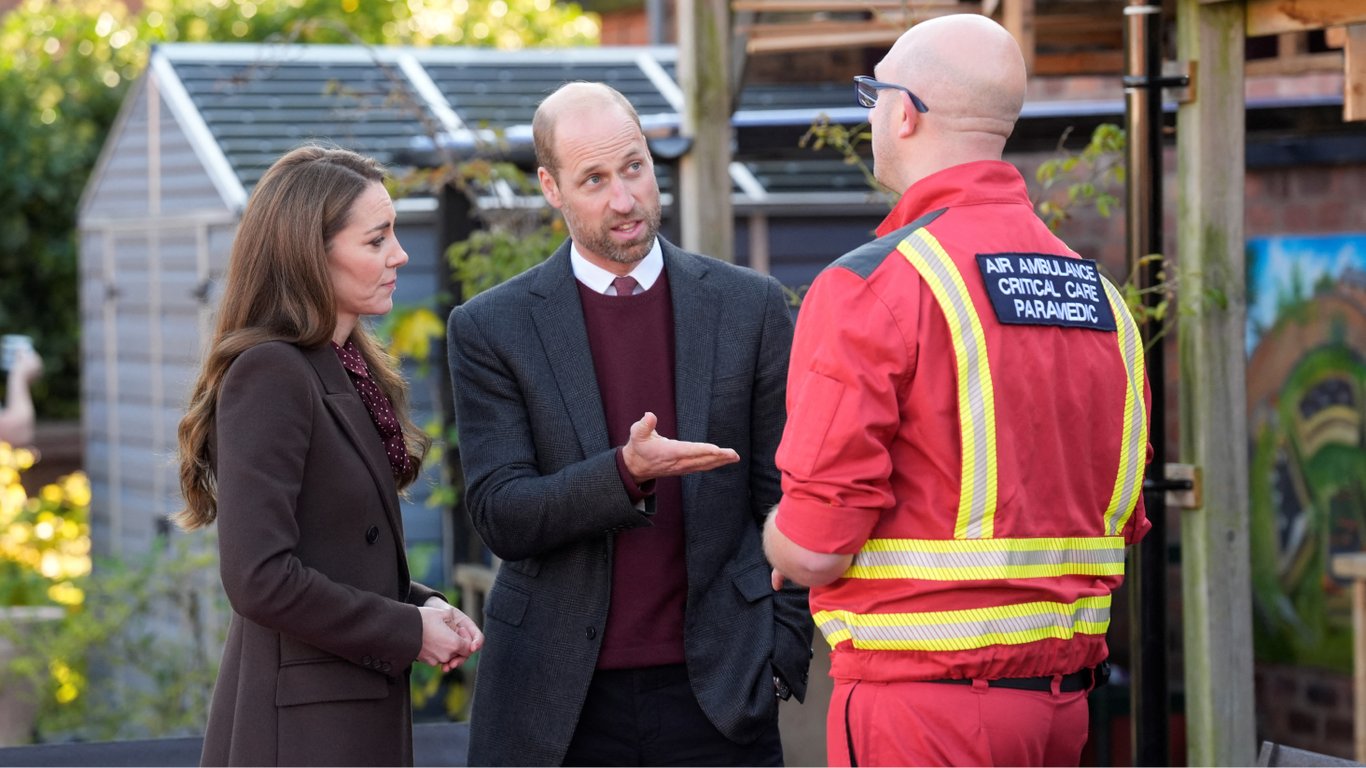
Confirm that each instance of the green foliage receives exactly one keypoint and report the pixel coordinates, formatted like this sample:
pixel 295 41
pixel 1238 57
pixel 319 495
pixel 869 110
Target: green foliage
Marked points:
pixel 44 539
pixel 145 622
pixel 847 142
pixel 1088 175
pixel 512 239
pixel 65 68
pixel 142 651
pixel 506 24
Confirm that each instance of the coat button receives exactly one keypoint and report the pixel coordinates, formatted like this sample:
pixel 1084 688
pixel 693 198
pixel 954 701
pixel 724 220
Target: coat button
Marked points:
pixel 590 633
pixel 365 660
pixel 371 535
pixel 385 667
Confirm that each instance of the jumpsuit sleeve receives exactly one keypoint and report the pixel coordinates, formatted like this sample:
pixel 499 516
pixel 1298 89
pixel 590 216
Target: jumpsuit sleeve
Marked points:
pixel 851 359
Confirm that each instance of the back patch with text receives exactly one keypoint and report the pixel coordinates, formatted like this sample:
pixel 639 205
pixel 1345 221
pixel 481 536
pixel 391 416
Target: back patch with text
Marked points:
pixel 1042 289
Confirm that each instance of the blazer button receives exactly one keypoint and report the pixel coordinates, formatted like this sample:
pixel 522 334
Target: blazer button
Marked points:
pixel 590 633
pixel 371 535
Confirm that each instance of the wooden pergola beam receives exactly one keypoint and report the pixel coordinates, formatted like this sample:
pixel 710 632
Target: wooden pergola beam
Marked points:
pixel 1272 17
pixel 817 40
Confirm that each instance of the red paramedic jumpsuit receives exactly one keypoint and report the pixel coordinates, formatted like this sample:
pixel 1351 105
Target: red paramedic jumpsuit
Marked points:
pixel 967 416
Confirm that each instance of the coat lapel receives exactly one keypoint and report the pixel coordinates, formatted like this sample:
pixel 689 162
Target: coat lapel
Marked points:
pixel 347 408
pixel 696 308
pixel 564 338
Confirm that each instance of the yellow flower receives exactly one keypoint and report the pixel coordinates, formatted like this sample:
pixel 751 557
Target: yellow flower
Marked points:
pixel 25 458
pixel 413 333
pixel 66 593
pixel 77 487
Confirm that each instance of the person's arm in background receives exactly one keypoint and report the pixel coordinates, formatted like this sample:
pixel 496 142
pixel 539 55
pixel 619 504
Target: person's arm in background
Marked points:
pixel 851 358
pixel 18 417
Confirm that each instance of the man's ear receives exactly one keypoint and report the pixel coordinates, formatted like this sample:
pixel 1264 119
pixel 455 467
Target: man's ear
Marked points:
pixel 910 117
pixel 549 188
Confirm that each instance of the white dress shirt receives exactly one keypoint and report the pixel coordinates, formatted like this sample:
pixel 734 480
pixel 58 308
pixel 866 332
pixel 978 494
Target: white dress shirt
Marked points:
pixel 646 272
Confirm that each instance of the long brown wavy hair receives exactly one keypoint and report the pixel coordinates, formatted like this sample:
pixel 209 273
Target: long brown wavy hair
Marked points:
pixel 279 288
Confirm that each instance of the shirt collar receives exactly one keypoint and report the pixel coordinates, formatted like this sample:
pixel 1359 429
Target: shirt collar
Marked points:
pixel 598 280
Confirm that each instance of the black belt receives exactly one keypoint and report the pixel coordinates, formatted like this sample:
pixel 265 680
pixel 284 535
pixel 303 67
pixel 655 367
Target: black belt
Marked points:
pixel 1077 681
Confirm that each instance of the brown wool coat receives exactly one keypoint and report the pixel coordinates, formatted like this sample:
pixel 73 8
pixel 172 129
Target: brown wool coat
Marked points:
pixel 324 625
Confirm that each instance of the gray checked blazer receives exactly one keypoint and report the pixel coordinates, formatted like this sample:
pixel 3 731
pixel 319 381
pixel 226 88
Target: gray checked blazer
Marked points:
pixel 543 491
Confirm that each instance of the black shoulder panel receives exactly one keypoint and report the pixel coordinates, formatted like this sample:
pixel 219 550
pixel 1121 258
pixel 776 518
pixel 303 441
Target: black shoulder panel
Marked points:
pixel 866 258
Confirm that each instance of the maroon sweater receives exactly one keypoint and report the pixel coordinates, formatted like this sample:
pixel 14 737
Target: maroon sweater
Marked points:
pixel 632 339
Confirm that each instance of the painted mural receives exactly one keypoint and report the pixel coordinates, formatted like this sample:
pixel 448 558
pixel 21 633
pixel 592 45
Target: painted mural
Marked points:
pixel 1306 398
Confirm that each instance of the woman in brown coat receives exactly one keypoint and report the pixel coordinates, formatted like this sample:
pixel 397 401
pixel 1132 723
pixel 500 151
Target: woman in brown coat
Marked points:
pixel 297 440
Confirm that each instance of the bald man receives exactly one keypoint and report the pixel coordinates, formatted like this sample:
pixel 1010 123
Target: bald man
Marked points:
pixel 966 434
pixel 619 408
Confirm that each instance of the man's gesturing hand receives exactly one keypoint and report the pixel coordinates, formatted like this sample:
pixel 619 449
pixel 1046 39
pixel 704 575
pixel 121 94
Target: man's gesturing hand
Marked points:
pixel 649 455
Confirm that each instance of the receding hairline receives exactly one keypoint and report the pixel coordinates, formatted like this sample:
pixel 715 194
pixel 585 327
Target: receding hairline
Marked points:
pixel 568 99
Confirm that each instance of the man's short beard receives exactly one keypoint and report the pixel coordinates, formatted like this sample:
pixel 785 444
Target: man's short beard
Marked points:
pixel 600 242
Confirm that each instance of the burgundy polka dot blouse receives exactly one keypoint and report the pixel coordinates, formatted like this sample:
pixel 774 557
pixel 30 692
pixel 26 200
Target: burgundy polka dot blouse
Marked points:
pixel 378 404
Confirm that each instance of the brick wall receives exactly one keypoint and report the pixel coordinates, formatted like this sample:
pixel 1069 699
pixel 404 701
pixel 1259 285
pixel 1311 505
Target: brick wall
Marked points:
pixel 1305 707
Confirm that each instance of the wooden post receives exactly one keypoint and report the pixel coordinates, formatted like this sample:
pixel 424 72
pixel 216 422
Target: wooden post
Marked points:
pixel 1354 89
pixel 1353 566
pixel 704 187
pixel 1216 572
pixel 1017 16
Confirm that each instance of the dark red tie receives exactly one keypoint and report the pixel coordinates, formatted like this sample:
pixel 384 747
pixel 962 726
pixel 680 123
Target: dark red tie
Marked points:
pixel 626 286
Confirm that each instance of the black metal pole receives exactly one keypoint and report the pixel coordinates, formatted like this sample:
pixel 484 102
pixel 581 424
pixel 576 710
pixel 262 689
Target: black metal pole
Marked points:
pixel 1148 576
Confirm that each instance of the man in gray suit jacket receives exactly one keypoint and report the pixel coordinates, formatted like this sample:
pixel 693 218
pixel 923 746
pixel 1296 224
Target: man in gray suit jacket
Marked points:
pixel 619 406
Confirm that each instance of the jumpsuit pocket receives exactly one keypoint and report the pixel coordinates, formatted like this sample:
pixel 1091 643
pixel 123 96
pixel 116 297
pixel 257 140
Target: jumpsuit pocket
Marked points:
pixel 818 398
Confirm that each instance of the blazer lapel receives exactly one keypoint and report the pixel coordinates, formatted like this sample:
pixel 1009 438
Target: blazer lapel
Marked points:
pixel 564 338
pixel 347 408
pixel 696 308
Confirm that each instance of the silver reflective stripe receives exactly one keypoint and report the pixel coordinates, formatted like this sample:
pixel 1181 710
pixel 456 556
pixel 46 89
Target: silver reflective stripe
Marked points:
pixel 1133 452
pixel 976 394
pixel 967 629
pixel 987 559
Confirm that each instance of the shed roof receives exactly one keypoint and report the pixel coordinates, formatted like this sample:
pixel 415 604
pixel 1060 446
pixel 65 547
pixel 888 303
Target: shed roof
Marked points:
pixel 250 103
pixel 243 105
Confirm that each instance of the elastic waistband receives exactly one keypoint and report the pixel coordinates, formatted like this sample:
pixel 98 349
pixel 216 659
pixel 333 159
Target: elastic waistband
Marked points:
pixel 1077 681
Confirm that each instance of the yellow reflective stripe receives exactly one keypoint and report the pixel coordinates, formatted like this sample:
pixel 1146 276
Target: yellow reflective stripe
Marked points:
pixel 976 395
pixel 966 629
pixel 988 559
pixel 1133 447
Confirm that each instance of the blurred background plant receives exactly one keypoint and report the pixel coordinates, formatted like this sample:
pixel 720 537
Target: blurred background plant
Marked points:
pixel 44 540
pixel 147 616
